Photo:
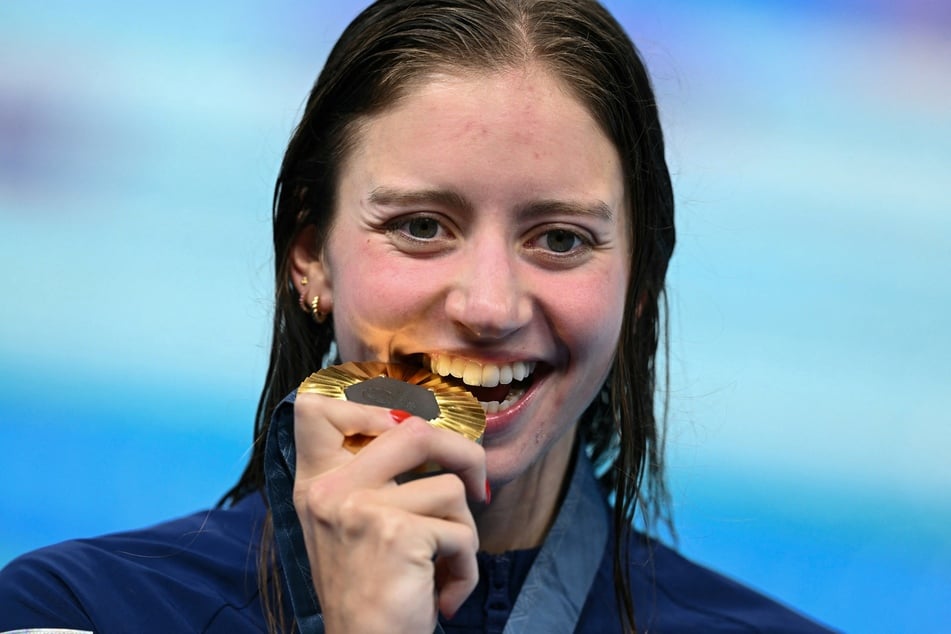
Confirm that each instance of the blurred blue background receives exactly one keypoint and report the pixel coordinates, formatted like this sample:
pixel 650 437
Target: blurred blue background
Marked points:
pixel 810 144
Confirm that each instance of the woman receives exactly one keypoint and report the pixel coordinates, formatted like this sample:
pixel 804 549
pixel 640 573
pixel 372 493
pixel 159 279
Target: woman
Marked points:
pixel 476 187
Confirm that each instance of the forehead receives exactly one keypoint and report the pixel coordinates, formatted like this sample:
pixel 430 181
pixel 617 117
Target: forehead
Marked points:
pixel 518 128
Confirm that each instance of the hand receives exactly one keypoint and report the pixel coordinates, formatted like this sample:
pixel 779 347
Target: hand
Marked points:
pixel 385 556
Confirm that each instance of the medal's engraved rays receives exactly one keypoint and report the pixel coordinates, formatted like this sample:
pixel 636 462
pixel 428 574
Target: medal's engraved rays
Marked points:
pixel 458 409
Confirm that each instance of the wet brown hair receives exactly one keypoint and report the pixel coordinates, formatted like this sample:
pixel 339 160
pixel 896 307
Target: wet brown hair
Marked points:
pixel 395 45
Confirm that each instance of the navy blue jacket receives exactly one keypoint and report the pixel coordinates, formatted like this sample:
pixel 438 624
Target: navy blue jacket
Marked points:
pixel 198 574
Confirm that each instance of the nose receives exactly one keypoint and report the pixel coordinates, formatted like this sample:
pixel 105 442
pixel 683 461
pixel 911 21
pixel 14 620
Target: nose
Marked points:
pixel 489 299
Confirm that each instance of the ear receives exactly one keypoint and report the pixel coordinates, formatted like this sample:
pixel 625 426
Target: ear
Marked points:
pixel 307 263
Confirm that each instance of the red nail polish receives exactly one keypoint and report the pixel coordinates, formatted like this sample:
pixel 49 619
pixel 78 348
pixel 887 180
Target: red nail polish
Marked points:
pixel 399 415
pixel 488 492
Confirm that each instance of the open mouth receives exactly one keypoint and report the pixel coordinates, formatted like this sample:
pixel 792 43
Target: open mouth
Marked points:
pixel 496 386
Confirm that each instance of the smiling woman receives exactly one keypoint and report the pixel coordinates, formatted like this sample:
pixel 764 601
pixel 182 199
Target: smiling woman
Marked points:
pixel 477 188
pixel 463 238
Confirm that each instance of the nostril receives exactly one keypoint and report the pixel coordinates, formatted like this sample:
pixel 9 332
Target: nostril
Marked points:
pixel 483 332
pixel 491 306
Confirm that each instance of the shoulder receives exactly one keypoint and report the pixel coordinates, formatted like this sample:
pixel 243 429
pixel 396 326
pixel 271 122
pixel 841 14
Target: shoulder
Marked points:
pixel 188 574
pixel 699 594
pixel 674 594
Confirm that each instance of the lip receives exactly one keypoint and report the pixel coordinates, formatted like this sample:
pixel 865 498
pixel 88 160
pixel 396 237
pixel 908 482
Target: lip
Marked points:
pixel 479 357
pixel 500 422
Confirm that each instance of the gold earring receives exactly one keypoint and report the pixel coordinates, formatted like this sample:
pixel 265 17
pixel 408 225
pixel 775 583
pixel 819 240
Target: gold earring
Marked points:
pixel 315 313
pixel 301 297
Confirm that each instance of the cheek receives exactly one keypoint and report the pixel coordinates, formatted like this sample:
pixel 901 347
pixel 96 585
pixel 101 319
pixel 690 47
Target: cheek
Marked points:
pixel 362 290
pixel 387 295
pixel 592 314
pixel 375 297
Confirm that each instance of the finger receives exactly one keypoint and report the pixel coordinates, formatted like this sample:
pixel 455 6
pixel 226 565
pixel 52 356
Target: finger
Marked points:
pixel 347 417
pixel 456 569
pixel 440 496
pixel 321 424
pixel 416 442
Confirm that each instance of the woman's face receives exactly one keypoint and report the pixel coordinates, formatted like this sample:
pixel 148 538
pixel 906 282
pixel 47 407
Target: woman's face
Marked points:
pixel 481 230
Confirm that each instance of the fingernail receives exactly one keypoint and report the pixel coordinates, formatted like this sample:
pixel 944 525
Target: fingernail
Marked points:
pixel 488 492
pixel 399 415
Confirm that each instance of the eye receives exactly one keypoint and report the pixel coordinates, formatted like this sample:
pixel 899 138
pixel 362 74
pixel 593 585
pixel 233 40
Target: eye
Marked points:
pixel 423 234
pixel 419 227
pixel 422 228
pixel 561 240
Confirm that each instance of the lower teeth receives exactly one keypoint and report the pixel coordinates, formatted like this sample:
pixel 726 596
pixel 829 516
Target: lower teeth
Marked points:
pixel 494 407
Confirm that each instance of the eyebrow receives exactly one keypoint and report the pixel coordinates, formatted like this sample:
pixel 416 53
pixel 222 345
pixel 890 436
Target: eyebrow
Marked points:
pixel 596 209
pixel 447 198
pixel 442 197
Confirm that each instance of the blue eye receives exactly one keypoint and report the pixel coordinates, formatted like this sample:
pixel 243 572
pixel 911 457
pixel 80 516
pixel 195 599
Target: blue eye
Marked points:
pixel 560 246
pixel 561 240
pixel 422 228
pixel 423 234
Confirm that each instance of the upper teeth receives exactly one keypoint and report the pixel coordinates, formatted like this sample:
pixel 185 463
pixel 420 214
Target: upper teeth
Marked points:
pixel 481 374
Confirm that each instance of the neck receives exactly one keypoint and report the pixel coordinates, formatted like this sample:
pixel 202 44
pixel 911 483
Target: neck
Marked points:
pixel 530 503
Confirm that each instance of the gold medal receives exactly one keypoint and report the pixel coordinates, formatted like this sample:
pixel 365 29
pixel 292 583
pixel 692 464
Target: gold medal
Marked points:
pixel 444 402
